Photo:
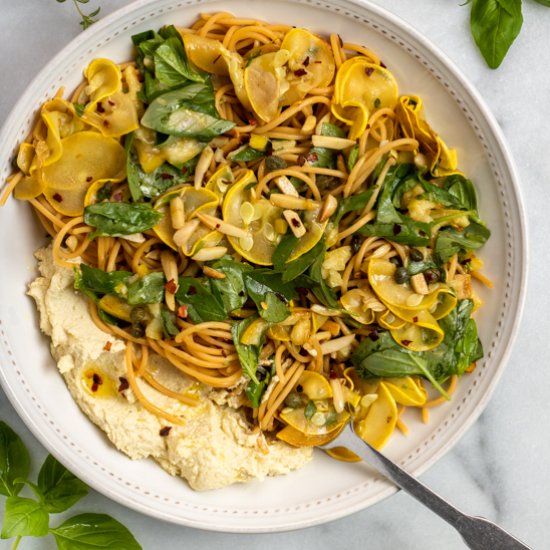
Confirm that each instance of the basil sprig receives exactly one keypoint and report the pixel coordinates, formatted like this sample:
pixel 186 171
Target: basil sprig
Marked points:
pixel 56 491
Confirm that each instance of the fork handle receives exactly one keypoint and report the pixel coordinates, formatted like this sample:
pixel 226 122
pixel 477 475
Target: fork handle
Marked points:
pixel 478 533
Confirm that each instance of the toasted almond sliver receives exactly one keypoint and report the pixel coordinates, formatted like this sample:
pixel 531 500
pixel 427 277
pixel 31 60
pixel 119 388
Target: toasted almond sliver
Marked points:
pixel 418 282
pixel 283 183
pixel 223 227
pixel 337 344
pixel 332 142
pixel 202 166
pixel 177 213
pixel 295 223
pixel 213 273
pixel 292 203
pixel 328 208
pixel 208 254
pixel 181 236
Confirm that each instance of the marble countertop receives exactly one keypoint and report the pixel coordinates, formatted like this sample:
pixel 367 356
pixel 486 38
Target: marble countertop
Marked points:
pixel 499 469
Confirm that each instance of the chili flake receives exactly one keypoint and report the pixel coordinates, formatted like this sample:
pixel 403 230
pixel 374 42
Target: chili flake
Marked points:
pixel 165 431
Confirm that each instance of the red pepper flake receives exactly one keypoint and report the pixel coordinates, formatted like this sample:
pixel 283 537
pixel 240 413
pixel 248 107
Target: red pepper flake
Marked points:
pixel 111 102
pixel 97 379
pixel 171 286
pixel 301 160
pixel 382 64
pixel 95 387
pixel 182 312
pixel 166 176
pixel 192 290
pixel 396 229
pixel 99 108
pixel 295 222
pixel 317 62
pixel 108 345
pixel 89 179
pixel 106 123
pixel 252 122
pixel 369 71
pixel 312 157
pixel 117 196
pixel 224 353
pixel 415 319
pixel 368 126
pixel 57 197
pixel 165 431
pixel 306 61
pixel 300 72
pixel 217 58
pixel 333 375
pixel 124 384
pixel 374 335
pixel 406 342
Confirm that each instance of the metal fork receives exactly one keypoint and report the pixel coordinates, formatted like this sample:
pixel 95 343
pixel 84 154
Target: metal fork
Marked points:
pixel 477 532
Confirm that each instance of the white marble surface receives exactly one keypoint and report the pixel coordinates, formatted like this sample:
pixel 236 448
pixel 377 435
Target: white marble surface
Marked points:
pixel 500 469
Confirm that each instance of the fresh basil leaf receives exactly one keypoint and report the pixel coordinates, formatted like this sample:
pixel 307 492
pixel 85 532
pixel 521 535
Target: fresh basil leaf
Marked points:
pixel 420 267
pixel 263 280
pixel 202 304
pixel 495 24
pixel 321 290
pixel 24 517
pixel 14 461
pixel 249 356
pixel 169 33
pixel 231 290
pixel 246 154
pixel 148 289
pixel 171 65
pixel 255 390
pixel 300 265
pixel 133 169
pixel 61 488
pixel 353 157
pixel 349 204
pixel 406 232
pixel 322 157
pixel 94 281
pixel 92 532
pixel 283 251
pixel 168 323
pixel 328 129
pixel 273 162
pixel 450 241
pixel 120 218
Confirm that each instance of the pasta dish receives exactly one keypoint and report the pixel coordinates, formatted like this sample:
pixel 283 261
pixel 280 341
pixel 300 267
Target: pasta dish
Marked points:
pixel 261 208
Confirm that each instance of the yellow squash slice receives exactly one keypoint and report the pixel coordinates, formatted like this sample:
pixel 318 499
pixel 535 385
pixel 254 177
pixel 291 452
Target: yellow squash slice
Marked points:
pixel 87 157
pixel 407 391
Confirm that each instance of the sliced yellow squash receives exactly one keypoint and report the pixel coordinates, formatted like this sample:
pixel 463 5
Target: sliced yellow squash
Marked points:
pixel 407 391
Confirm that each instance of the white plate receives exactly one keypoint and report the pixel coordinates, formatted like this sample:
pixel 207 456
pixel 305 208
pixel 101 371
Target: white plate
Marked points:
pixel 325 489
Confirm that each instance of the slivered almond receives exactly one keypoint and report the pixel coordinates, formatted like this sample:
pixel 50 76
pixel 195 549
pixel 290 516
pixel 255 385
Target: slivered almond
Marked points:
pixel 328 208
pixel 286 187
pixel 212 273
pixel 337 344
pixel 418 282
pixel 181 236
pixel 208 254
pixel 177 213
pixel 292 203
pixel 223 227
pixel 202 166
pixel 295 223
pixel 331 142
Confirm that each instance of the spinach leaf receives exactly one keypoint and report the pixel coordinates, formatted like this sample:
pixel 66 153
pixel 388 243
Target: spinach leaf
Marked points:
pixel 450 241
pixel 93 281
pixel 460 347
pixel 14 461
pixel 349 204
pixel 87 531
pixel 120 218
pixel 406 232
pixel 231 290
pixel 168 320
pixel 24 517
pixel 268 288
pixel 321 290
pixel 455 192
pixel 148 289
pixel 255 390
pixel 353 157
pixel 249 355
pixel 322 157
pixel 301 264
pixel 186 112
pixel 246 154
pixel 495 24
pixel 283 251
pixel 202 304
pixel 61 488
pixel 171 65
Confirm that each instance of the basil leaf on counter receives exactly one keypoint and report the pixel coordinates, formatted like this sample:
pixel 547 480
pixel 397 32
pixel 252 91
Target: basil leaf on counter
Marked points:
pixel 93 531
pixel 24 517
pixel 60 487
pixel 120 218
pixel 14 461
pixel 495 24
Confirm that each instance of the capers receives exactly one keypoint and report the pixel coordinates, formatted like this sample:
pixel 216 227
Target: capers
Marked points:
pixel 401 275
pixel 137 331
pixel 396 260
pixel 416 255
pixel 139 314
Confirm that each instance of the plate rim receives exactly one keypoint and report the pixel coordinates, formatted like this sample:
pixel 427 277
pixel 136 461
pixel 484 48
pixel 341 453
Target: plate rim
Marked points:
pixel 522 252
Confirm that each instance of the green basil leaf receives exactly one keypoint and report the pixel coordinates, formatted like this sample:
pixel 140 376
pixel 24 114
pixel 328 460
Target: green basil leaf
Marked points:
pixel 450 241
pixel 273 162
pixel 353 157
pixel 263 280
pixel 92 281
pixel 148 289
pixel 406 232
pixel 246 154
pixel 169 326
pixel 255 390
pixel 61 488
pixel 202 304
pixel 14 461
pixel 300 265
pixel 283 251
pixel 495 24
pixel 171 65
pixel 93 531
pixel 120 218
pixel 24 517
pixel 322 157
pixel 249 356
pixel 231 290
pixel 349 204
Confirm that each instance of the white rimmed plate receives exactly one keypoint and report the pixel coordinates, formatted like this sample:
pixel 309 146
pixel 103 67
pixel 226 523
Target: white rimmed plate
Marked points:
pixel 325 489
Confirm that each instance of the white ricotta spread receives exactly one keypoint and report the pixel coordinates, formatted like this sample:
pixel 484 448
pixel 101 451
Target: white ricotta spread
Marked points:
pixel 214 447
